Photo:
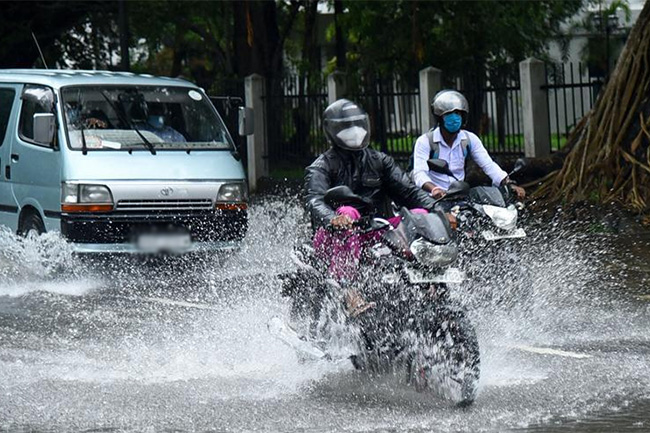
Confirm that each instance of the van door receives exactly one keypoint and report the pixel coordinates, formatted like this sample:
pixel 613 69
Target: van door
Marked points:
pixel 35 167
pixel 9 103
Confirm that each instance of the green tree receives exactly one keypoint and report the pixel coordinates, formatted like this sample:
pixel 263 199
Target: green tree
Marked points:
pixel 48 20
pixel 463 38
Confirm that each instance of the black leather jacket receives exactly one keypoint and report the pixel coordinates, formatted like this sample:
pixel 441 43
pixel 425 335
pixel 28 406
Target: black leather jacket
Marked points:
pixel 369 173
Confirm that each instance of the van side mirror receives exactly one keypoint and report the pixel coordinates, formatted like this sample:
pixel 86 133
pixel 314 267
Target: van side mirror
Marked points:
pixel 246 121
pixel 44 124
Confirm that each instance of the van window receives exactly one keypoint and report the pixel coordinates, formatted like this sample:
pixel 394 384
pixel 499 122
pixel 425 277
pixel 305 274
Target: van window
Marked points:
pixel 6 102
pixel 36 99
pixel 130 117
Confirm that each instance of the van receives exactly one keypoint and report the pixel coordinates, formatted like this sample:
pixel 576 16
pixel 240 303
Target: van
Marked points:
pixel 118 162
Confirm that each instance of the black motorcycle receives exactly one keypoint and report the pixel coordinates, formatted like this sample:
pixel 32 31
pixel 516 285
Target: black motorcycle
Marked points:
pixel 409 324
pixel 489 211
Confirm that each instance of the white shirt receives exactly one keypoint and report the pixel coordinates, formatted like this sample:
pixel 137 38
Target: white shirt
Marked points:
pixel 454 156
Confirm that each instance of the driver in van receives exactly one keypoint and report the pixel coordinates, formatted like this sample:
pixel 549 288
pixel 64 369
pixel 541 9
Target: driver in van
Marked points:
pixel 158 121
pixel 153 117
pixel 370 174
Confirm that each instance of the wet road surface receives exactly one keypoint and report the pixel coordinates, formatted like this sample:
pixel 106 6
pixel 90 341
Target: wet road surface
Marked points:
pixel 124 344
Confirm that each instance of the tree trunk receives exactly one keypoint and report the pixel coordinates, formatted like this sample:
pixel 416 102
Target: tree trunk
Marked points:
pixel 308 76
pixel 608 155
pixel 338 36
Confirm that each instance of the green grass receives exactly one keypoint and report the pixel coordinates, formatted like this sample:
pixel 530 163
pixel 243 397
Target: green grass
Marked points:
pixel 288 172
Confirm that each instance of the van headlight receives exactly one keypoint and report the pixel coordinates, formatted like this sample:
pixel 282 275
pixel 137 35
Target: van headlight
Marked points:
pixel 232 196
pixel 503 218
pixel 80 197
pixel 431 254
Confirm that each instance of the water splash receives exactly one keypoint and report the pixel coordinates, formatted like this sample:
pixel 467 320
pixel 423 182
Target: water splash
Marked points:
pixel 182 343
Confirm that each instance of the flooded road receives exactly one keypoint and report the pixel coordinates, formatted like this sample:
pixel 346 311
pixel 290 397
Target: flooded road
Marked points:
pixel 124 344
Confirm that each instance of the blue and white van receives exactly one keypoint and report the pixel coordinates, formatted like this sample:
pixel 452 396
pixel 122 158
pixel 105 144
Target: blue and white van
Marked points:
pixel 118 162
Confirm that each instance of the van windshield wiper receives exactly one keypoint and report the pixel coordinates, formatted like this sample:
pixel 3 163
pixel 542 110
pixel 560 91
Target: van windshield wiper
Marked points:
pixel 123 118
pixel 84 147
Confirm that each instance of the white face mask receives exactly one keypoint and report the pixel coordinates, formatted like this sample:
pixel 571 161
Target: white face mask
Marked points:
pixel 353 137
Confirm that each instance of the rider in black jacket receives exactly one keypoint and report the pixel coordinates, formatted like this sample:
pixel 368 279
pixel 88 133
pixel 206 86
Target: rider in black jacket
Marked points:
pixel 369 173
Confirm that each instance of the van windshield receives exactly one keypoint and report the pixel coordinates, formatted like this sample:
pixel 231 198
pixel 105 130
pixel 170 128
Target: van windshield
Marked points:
pixel 141 117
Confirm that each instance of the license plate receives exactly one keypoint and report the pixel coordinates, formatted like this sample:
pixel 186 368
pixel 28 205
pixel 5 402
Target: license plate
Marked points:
pixel 158 242
pixel 489 235
pixel 448 276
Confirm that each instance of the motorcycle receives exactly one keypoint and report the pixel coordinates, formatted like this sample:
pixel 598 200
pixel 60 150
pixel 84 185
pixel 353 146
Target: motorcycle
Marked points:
pixel 413 327
pixel 489 210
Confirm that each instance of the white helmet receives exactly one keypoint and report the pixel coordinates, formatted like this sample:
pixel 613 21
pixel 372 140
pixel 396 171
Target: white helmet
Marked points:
pixel 447 101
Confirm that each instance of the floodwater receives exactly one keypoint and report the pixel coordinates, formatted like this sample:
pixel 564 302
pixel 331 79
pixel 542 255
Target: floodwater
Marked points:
pixel 180 344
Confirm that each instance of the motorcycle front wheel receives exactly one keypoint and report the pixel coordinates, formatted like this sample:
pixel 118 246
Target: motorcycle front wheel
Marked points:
pixel 446 359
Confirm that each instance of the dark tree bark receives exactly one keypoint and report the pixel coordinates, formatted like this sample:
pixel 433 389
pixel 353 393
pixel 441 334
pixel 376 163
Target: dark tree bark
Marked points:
pixel 309 73
pixel 125 63
pixel 339 37
pixel 608 153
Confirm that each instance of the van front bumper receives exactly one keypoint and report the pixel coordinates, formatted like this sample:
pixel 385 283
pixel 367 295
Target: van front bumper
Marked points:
pixel 118 232
pixel 132 248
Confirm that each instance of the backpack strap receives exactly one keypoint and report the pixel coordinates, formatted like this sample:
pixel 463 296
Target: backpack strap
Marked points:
pixel 465 144
pixel 433 145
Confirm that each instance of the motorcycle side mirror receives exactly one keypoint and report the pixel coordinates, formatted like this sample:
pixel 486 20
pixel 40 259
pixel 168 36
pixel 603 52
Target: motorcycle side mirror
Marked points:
pixel 342 195
pixel 439 166
pixel 458 187
pixel 520 163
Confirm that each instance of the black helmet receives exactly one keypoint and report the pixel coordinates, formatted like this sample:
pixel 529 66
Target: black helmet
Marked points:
pixel 346 125
pixel 447 101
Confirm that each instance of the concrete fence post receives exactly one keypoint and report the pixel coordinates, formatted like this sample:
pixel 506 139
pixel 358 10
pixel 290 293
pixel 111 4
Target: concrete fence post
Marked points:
pixel 256 143
pixel 430 84
pixel 534 107
pixel 336 86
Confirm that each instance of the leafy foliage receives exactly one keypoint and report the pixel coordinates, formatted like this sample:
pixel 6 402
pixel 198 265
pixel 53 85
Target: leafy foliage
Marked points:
pixel 403 35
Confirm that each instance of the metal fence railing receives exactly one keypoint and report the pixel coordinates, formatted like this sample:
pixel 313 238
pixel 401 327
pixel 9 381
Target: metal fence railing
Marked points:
pixel 294 106
pixel 293 109
pixel 495 110
pixel 572 91
pixel 394 110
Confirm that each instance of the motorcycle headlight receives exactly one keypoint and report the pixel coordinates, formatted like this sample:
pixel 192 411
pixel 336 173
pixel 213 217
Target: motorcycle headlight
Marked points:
pixel 430 254
pixel 503 218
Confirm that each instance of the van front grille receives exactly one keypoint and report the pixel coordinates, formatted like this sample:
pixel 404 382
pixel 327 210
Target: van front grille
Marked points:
pixel 164 205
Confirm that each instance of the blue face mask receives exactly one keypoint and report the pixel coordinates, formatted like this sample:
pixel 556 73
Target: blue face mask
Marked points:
pixel 452 122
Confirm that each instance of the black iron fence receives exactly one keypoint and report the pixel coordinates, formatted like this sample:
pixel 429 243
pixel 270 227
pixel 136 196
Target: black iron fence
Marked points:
pixel 494 97
pixel 294 107
pixel 393 106
pixel 293 110
pixel 499 121
pixel 571 94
